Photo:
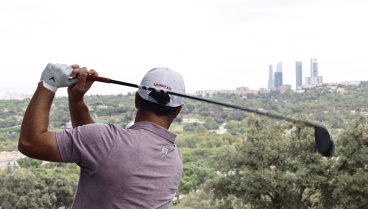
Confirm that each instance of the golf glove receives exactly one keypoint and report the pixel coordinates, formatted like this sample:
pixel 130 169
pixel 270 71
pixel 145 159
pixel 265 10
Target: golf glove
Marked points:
pixel 55 76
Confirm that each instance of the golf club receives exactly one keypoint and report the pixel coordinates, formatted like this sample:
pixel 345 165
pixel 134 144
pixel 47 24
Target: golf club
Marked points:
pixel 324 139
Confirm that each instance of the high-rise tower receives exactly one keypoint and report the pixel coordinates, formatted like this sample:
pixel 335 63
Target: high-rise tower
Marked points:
pixel 314 79
pixel 278 75
pixel 270 77
pixel 298 71
pixel 314 67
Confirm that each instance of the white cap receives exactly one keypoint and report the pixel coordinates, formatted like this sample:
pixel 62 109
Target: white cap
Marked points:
pixel 163 79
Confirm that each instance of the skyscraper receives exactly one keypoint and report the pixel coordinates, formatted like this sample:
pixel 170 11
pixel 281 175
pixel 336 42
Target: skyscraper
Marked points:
pixel 270 77
pixel 314 67
pixel 279 67
pixel 298 69
pixel 314 79
pixel 278 75
pixel 278 79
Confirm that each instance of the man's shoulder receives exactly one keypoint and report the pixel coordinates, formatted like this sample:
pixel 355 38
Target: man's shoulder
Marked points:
pixel 100 126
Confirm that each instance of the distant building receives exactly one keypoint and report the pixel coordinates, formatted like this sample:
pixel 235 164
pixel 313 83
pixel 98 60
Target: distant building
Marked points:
pixel 278 79
pixel 314 79
pixel 211 92
pixel 227 91
pixel 16 96
pixel 263 90
pixel 101 107
pixel 314 67
pixel 245 90
pixel 299 74
pixel 242 90
pixel 300 91
pixel 340 90
pixel 346 83
pixel 284 88
pixel 9 158
pixel 270 77
pixel 279 67
pixel 278 76
pixel 307 81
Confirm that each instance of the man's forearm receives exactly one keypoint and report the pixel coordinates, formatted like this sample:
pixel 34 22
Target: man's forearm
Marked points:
pixel 79 113
pixel 36 117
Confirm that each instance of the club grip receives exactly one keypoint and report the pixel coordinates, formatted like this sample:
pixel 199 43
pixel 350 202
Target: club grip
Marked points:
pixel 97 78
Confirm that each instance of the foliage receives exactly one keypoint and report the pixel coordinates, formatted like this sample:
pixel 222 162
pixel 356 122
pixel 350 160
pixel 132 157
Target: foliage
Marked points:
pixel 35 191
pixel 275 169
pixel 29 162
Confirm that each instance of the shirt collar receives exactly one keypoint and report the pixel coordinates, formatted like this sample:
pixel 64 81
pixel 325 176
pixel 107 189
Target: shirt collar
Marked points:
pixel 155 129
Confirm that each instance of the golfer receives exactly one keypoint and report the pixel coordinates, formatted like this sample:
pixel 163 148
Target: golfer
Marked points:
pixel 135 168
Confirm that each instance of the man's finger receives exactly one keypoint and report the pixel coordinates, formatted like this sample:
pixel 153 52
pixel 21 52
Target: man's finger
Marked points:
pixel 74 72
pixel 75 66
pixel 80 71
pixel 93 72
pixel 72 81
pixel 82 81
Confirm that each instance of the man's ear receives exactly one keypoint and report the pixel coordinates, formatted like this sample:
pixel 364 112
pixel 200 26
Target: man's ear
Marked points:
pixel 178 110
pixel 137 101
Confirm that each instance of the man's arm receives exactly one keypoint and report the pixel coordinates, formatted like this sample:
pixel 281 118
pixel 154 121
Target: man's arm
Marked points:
pixel 35 140
pixel 79 112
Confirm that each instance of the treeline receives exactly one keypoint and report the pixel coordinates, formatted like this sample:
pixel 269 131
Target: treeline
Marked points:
pixel 33 186
pixel 319 104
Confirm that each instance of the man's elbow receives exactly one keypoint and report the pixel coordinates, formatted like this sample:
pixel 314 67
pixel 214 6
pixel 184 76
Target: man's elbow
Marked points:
pixel 24 146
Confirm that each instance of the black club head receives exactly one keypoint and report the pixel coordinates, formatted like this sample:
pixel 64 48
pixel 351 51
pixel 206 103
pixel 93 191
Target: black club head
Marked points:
pixel 324 141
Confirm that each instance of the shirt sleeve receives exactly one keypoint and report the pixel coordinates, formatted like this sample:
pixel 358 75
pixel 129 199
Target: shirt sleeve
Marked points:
pixel 87 145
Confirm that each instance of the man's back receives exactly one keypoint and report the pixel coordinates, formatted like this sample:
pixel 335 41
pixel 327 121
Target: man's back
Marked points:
pixel 135 168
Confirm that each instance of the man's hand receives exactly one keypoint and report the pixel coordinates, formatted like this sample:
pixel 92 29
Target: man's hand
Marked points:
pixel 79 113
pixel 76 92
pixel 55 76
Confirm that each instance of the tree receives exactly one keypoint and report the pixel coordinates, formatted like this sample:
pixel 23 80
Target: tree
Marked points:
pixel 232 125
pixel 200 129
pixel 298 178
pixel 178 119
pixel 350 185
pixel 64 190
pixel 29 162
pixel 194 174
pixel 111 120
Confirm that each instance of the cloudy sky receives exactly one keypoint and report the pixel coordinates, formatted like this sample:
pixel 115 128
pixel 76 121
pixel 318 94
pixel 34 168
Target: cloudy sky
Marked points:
pixel 212 44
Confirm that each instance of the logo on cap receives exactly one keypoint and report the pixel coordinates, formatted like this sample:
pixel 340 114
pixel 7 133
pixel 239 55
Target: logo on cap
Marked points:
pixel 162 85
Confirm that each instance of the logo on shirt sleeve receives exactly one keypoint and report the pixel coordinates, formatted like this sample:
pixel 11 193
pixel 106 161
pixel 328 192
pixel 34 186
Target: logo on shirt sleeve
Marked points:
pixel 165 150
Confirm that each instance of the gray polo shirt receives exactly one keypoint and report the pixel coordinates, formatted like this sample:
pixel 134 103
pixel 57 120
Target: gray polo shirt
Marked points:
pixel 135 168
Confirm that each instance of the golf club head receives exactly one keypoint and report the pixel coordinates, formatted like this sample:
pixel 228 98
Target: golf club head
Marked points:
pixel 324 141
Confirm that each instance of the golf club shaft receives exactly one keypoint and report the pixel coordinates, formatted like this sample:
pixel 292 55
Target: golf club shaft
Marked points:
pixel 107 80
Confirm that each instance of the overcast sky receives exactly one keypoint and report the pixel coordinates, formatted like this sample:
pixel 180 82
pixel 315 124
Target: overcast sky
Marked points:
pixel 212 44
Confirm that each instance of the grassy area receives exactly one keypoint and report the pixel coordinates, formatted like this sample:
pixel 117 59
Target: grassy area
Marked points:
pixel 176 206
pixel 176 128
pixel 102 121
pixel 198 117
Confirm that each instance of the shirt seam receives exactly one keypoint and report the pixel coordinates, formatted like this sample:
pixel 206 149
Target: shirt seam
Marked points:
pixel 164 135
pixel 166 138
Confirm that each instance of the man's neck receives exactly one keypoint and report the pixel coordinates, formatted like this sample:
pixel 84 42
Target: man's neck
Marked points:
pixel 151 117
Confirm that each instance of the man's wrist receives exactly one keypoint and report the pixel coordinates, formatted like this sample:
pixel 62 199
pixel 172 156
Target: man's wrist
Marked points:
pixel 76 100
pixel 45 90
